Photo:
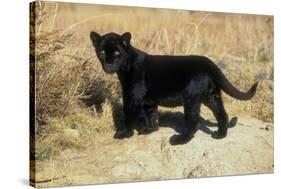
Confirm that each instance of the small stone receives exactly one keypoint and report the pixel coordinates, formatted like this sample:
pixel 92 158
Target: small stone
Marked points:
pixel 71 133
pixel 266 128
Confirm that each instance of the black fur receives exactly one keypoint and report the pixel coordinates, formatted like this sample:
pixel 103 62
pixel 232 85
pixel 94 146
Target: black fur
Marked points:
pixel 151 80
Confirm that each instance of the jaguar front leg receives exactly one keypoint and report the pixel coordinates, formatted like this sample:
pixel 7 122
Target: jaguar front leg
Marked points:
pixel 151 112
pixel 130 115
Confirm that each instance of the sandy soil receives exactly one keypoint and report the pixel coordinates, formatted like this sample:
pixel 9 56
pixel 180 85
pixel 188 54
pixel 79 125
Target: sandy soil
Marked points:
pixel 247 149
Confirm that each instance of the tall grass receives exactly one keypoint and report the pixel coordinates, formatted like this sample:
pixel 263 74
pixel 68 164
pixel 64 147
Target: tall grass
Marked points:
pixel 69 78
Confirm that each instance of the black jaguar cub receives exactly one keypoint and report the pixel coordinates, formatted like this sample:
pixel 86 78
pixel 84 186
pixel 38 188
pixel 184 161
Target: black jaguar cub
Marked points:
pixel 150 80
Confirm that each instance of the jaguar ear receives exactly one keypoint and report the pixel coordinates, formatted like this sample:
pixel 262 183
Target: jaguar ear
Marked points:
pixel 95 37
pixel 126 38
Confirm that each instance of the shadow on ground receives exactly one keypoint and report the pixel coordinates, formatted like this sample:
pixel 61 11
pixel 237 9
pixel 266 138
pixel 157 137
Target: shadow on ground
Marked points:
pixel 174 120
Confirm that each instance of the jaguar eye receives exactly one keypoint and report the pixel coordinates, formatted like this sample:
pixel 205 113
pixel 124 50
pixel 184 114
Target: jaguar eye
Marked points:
pixel 116 53
pixel 102 52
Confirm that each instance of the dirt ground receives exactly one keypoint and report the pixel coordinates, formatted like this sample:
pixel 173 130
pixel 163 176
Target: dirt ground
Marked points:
pixel 248 149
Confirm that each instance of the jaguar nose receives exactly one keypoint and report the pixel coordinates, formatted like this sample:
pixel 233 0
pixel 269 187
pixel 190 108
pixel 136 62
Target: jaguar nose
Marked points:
pixel 109 68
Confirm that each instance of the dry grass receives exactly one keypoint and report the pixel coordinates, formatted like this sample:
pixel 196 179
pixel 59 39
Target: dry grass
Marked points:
pixel 67 69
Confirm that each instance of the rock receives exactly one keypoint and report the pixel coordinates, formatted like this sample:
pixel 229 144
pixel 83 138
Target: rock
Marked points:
pixel 71 133
pixel 247 149
pixel 127 170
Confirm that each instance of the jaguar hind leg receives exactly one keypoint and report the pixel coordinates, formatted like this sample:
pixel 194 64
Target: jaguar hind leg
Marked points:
pixel 215 103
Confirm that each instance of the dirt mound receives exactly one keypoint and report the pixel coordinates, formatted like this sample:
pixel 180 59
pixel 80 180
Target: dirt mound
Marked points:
pixel 247 149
